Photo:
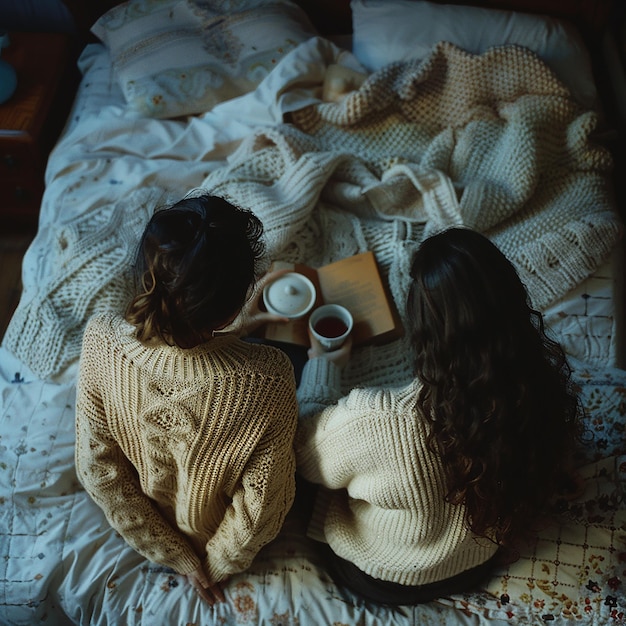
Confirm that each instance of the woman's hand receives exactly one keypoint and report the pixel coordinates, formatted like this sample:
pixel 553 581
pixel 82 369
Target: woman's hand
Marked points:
pixel 251 315
pixel 339 357
pixel 209 592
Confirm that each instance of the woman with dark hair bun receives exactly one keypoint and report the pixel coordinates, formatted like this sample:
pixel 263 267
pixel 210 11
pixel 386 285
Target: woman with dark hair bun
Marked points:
pixel 184 434
pixel 421 486
pixel 196 265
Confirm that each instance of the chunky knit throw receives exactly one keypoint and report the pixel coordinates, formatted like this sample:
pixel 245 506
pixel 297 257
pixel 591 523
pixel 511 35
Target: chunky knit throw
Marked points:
pixel 188 452
pixel 493 142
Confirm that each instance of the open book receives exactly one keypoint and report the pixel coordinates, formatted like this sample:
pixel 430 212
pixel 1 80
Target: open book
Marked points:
pixel 355 283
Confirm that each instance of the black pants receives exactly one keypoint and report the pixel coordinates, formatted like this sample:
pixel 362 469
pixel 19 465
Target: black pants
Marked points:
pixel 348 575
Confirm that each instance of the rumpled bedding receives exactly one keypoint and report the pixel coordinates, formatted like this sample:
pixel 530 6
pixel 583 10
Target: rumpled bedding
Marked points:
pixel 325 187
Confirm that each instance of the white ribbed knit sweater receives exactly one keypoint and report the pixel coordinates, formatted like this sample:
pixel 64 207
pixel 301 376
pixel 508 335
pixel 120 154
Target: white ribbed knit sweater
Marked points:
pixel 188 452
pixel 382 505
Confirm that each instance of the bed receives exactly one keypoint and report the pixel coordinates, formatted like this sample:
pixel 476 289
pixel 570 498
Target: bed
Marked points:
pixel 346 127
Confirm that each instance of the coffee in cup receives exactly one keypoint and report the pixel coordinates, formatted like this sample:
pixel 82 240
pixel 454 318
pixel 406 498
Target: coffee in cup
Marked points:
pixel 331 324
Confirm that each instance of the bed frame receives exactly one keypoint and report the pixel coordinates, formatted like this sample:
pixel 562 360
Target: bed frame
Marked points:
pixel 63 558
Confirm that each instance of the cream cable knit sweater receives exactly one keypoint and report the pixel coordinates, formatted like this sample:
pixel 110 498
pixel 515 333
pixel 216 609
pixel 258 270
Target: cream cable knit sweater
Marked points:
pixel 382 503
pixel 188 452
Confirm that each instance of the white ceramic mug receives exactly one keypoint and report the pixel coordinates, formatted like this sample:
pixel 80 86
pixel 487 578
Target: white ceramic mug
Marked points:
pixel 331 324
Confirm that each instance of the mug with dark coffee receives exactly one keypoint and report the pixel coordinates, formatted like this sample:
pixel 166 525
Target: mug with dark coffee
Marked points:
pixel 331 324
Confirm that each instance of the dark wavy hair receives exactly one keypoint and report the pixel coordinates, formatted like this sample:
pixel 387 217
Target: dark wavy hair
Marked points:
pixel 496 389
pixel 195 266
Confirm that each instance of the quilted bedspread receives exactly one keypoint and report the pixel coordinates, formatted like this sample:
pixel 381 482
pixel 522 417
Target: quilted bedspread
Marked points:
pixel 63 564
pixel 413 148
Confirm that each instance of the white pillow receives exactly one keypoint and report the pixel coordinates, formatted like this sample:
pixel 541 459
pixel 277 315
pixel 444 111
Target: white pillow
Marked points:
pixel 179 57
pixel 399 30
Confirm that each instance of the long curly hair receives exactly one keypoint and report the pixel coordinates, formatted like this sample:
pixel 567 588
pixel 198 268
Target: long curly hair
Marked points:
pixel 196 263
pixel 496 389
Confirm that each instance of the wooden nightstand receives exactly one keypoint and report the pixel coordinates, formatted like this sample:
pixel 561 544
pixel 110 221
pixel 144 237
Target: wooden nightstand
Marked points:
pixel 30 121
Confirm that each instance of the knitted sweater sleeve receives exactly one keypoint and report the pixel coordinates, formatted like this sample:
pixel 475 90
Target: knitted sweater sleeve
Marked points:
pixel 111 480
pixel 342 442
pixel 320 386
pixel 326 435
pixel 266 491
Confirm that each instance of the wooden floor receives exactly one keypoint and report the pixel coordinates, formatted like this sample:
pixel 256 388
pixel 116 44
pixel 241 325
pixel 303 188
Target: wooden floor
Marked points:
pixel 13 245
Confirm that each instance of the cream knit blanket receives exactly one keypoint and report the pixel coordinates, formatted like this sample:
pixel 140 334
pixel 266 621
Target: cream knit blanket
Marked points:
pixel 493 142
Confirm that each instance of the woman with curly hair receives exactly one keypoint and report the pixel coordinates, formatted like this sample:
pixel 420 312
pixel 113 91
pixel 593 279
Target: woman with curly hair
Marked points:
pixel 184 434
pixel 419 487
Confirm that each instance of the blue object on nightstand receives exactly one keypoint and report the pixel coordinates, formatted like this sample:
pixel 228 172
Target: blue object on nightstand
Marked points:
pixel 8 80
pixel 8 76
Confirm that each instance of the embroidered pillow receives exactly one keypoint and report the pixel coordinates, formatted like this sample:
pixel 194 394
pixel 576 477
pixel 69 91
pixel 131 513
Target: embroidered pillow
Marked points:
pixel 181 57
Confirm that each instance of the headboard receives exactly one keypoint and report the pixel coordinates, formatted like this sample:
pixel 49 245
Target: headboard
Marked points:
pixel 334 16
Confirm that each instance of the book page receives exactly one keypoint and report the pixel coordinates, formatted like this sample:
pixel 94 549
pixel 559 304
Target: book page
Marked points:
pixel 355 283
